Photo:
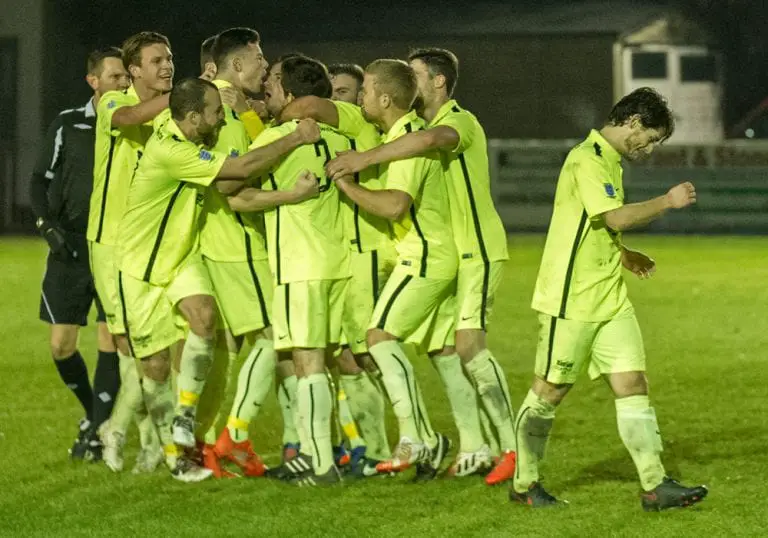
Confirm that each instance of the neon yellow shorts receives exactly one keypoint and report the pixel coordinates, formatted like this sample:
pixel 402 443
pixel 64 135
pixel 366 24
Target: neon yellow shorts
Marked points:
pixel 566 346
pixel 476 291
pixel 407 302
pixel 370 272
pixel 154 322
pixel 308 314
pixel 102 258
pixel 243 293
pixel 438 331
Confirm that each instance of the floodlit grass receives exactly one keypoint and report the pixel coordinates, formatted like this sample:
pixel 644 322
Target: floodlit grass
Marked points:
pixel 704 321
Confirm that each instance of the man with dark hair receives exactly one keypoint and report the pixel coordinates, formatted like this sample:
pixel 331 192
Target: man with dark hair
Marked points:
pixel 586 320
pixel 234 252
pixel 60 191
pixel 123 125
pixel 161 271
pixel 482 249
pixel 347 80
pixel 207 63
pixel 311 291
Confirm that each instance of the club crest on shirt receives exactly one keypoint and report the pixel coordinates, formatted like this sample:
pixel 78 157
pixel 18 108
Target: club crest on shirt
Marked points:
pixel 206 155
pixel 112 104
pixel 609 190
pixel 234 153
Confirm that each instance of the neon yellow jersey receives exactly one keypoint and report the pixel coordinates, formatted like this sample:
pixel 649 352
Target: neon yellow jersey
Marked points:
pixel 423 237
pixel 226 235
pixel 365 232
pixel 116 154
pixel 477 228
pixel 580 275
pixel 306 241
pixel 159 230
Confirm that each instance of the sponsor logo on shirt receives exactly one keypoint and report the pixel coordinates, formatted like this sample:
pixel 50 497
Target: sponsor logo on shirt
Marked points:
pixel 609 190
pixel 234 153
pixel 206 155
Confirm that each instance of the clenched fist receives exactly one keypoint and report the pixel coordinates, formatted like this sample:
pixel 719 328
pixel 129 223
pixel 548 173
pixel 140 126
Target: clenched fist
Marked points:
pixel 682 195
pixel 308 131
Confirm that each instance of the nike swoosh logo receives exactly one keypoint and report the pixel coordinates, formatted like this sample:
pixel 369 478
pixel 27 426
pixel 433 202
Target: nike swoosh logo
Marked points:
pixel 465 318
pixel 282 337
pixel 360 341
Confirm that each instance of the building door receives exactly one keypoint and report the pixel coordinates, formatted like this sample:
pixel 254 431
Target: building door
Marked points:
pixel 9 58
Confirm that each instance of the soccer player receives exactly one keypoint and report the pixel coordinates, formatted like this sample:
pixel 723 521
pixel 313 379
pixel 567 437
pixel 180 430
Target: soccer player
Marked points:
pixel 161 272
pixel 482 249
pixel 347 80
pixel 585 317
pixel 310 263
pixel 207 63
pixel 122 128
pixel 234 252
pixel 60 190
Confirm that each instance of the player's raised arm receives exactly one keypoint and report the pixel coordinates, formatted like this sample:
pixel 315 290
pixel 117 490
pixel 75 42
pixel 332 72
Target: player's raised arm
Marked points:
pixel 410 145
pixel 253 199
pixel 259 160
pixel 140 113
pixel 388 203
pixel 317 108
pixel 633 215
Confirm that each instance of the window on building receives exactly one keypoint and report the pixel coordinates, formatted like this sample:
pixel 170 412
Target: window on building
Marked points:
pixel 698 68
pixel 649 65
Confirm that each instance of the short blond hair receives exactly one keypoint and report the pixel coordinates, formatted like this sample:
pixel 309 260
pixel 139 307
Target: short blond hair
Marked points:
pixel 395 78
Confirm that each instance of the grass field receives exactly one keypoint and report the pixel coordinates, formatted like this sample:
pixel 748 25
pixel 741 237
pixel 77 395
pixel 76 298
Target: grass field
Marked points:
pixel 704 321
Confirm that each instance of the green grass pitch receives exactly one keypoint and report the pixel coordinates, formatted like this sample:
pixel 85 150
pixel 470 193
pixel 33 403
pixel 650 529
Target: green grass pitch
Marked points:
pixel 704 322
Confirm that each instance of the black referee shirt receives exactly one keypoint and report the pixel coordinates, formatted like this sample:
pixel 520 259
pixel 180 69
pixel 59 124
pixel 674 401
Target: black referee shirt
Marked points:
pixel 62 180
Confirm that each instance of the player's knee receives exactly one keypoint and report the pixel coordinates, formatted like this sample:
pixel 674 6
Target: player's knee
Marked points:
pixel 105 339
pixel 550 392
pixel 376 336
pixel 626 384
pixel 469 343
pixel 203 321
pixel 63 344
pixel 347 363
pixel 123 346
pixel 157 367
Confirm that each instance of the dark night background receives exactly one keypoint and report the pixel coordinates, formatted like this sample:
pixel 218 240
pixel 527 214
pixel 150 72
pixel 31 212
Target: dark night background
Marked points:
pixel 76 26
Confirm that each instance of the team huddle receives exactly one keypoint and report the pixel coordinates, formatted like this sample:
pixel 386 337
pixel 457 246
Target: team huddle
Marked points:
pixel 331 232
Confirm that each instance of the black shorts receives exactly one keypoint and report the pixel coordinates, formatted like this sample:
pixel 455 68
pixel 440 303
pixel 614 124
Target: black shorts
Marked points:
pixel 68 291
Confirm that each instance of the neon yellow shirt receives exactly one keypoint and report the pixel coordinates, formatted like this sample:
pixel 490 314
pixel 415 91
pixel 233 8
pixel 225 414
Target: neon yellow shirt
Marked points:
pixel 365 232
pixel 423 237
pixel 580 275
pixel 160 228
pixel 116 154
pixel 226 235
pixel 477 228
pixel 306 241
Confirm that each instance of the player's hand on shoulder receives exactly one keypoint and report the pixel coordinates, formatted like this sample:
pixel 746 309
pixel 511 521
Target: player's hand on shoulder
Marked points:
pixel 306 186
pixel 308 131
pixel 234 99
pixel 682 195
pixel 638 263
pixel 346 163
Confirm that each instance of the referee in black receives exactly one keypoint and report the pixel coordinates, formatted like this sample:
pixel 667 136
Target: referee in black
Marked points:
pixel 60 191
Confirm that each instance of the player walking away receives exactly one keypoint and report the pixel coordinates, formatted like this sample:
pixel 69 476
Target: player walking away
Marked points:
pixel 207 63
pixel 309 296
pixel 586 319
pixel 161 272
pixel 234 252
pixel 60 191
pixel 482 250
pixel 122 128
pixel 347 80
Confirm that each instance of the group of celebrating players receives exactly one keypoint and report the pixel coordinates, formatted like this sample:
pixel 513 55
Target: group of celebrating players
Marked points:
pixel 333 232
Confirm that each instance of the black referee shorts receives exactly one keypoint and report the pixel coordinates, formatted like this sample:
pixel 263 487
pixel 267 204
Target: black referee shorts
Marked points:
pixel 68 291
